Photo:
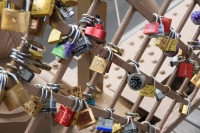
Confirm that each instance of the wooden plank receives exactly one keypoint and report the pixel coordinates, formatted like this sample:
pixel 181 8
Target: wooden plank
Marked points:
pixel 194 118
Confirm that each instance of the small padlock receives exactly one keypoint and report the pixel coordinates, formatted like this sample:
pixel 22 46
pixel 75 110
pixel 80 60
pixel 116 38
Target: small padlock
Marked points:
pixel 195 79
pixel 76 114
pixel 70 2
pixel 25 74
pixel 66 12
pixel 136 81
pixel 16 20
pixel 65 115
pixel 159 95
pixel 115 49
pixel 91 101
pixel 149 90
pixel 41 28
pixel 174 61
pixel 35 104
pixel 15 96
pixel 75 91
pixel 167 23
pixel 35 55
pixel 41 8
pixel 161 42
pixel 151 28
pixel 55 37
pixel 185 70
pixel 160 29
pixel 129 127
pixel 116 127
pixel 83 45
pixel 195 17
pixel 49 104
pixel 99 64
pixel 86 117
pixel 186 108
pixel 105 124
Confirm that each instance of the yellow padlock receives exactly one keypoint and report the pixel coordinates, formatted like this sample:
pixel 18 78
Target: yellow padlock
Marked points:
pixel 55 37
pixel 70 2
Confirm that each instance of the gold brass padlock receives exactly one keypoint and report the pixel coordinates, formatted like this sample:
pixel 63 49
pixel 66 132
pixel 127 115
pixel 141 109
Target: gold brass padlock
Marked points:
pixel 55 37
pixel 77 113
pixel 116 127
pixel 15 96
pixel 161 42
pixel 185 109
pixel 15 20
pixel 35 55
pixel 3 5
pixel 41 8
pixel 195 79
pixel 70 2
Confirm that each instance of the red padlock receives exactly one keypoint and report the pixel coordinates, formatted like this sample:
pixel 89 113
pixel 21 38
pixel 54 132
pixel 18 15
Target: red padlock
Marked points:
pixel 65 115
pixel 167 23
pixel 151 28
pixel 89 31
pixel 99 32
pixel 185 70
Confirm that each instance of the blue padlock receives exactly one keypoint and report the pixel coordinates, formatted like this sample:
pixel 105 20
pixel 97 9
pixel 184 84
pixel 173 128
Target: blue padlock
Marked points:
pixel 91 101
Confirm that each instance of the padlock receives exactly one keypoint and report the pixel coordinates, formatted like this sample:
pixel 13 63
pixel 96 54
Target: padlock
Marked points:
pixel 116 127
pixel 195 44
pixel 160 29
pixel 195 17
pixel 167 23
pixel 15 96
pixel 3 80
pixel 66 12
pixel 70 2
pixel 35 55
pixel 161 42
pixel 159 95
pixel 49 104
pixel 129 127
pixel 174 61
pixel 76 114
pixel 65 115
pixel 75 91
pixel 35 104
pixel 173 41
pixel 91 101
pixel 115 49
pixel 149 90
pixel 34 22
pixel 3 5
pixel 195 79
pixel 86 117
pixel 41 8
pixel 83 45
pixel 136 81
pixel 186 108
pixel 185 70
pixel 25 74
pixel 105 124
pixel 16 20
pixel 99 64
pixel 151 28
pixel 55 37
pixel 41 28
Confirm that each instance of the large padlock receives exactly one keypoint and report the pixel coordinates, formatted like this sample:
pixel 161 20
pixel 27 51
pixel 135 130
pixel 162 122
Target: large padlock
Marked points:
pixel 86 117
pixel 42 8
pixel 16 20
pixel 105 124
pixel 195 17
pixel 99 64
pixel 161 42
pixel 15 96
pixel 65 115
pixel 151 28
pixel 83 45
pixel 49 104
pixel 35 104
pixel 136 81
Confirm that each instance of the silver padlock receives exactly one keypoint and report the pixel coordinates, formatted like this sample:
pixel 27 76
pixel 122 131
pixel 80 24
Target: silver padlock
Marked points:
pixel 159 95
pixel 174 61
pixel 129 127
pixel 136 81
pixel 195 45
pixel 66 12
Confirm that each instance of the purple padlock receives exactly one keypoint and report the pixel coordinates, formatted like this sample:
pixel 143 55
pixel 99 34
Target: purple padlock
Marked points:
pixel 195 17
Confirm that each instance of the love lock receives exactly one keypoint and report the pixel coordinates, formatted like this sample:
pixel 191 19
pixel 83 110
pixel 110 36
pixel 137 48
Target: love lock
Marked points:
pixel 136 81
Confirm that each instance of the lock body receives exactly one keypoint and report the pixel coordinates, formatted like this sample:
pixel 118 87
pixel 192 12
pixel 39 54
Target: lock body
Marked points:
pixel 136 81
pixel 159 95
pixel 116 127
pixel 91 101
pixel 64 116
pixel 167 23
pixel 151 28
pixel 185 70
pixel 15 97
pixel 104 124
pixel 25 74
pixel 49 106
pixel 75 118
pixel 184 110
pixel 99 65
pixel 130 128
pixel 55 37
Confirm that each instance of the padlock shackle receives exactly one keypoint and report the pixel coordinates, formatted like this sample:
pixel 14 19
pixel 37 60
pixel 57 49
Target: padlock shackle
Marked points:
pixel 147 123
pixel 80 105
pixel 111 113
pixel 189 103
pixel 27 5
pixel 154 80
pixel 8 4
pixel 12 75
pixel 110 56
pixel 76 101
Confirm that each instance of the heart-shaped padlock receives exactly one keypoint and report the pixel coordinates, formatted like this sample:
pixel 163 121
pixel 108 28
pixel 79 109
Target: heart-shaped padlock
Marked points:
pixel 136 81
